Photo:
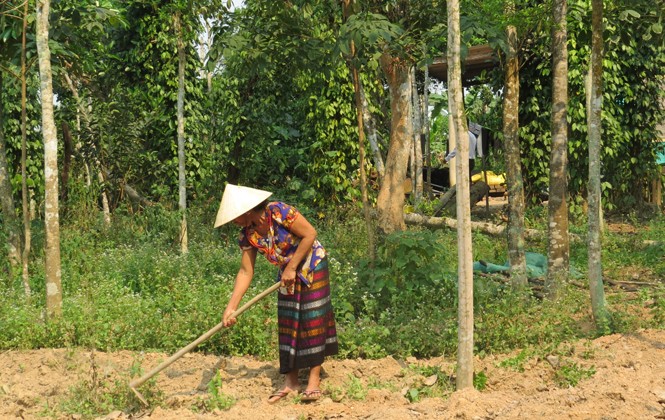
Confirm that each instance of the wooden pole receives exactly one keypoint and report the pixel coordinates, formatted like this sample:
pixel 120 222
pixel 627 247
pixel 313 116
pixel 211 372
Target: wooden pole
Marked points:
pixel 140 381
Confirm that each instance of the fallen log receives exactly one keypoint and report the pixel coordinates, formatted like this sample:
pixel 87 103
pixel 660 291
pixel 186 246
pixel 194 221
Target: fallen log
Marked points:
pixel 485 227
pixel 417 219
pixel 447 203
pixel 631 286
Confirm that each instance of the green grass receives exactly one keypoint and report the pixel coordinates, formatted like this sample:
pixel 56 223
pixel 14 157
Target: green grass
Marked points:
pixel 129 288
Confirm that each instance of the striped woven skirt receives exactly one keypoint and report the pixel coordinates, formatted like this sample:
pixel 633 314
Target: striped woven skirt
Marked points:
pixel 306 322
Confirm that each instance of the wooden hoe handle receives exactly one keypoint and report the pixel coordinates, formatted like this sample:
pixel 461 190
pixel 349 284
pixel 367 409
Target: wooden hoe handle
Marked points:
pixel 140 381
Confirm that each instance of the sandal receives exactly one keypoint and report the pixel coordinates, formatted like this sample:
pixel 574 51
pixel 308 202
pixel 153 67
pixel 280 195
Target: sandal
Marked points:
pixel 278 395
pixel 311 395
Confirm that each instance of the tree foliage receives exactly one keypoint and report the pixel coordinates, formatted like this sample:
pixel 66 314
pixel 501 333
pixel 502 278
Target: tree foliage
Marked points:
pixel 279 111
pixel 632 71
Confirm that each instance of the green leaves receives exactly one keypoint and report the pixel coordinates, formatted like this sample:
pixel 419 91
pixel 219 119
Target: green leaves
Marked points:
pixel 657 28
pixel 626 14
pixel 629 93
pixel 409 261
pixel 366 29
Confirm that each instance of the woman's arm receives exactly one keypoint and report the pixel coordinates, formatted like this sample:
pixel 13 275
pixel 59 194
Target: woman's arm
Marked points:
pixel 243 280
pixel 307 234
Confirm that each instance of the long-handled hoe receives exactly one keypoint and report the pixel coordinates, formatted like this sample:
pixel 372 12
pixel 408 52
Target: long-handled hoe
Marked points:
pixel 140 381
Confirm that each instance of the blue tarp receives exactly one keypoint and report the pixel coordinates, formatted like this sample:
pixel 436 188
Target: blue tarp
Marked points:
pixel 536 266
pixel 660 157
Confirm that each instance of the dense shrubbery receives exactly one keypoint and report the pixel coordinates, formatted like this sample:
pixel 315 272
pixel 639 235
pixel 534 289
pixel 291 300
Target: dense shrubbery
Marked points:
pixel 128 288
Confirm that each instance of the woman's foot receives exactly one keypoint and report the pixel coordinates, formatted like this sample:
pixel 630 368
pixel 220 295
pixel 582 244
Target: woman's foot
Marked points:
pixel 310 395
pixel 278 395
pixel 291 384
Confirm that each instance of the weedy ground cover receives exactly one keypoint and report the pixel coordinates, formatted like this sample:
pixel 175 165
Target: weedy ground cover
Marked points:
pixel 130 288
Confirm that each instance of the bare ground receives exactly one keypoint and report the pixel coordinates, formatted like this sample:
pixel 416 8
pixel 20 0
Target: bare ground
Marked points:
pixel 627 382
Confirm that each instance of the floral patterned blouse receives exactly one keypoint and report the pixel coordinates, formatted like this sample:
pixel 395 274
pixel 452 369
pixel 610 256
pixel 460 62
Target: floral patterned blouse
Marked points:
pixel 279 245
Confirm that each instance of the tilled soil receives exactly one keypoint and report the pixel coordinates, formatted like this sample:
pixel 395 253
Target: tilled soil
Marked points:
pixel 620 377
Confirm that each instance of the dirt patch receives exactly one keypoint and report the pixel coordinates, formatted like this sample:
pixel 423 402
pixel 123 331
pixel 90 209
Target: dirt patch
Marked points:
pixel 618 227
pixel 622 377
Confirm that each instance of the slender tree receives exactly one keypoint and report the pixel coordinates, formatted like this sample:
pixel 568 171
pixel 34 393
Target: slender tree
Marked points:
pixel 372 135
pixel 182 180
pixel 25 196
pixel 513 161
pixel 458 128
pixel 558 244
pixel 426 132
pixel 360 107
pixel 88 123
pixel 600 314
pixel 52 270
pixel 417 164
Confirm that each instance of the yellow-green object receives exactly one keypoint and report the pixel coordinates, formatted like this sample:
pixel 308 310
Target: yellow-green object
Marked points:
pixel 492 178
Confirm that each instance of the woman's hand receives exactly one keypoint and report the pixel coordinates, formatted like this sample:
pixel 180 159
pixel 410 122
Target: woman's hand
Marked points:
pixel 226 318
pixel 288 276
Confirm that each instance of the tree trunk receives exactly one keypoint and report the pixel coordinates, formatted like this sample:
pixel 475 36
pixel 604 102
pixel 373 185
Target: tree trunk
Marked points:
pixel 428 150
pixel 106 210
pixel 558 244
pixel 182 180
pixel 66 166
pixel 11 225
pixel 363 174
pixel 513 160
pixel 361 107
pixel 372 137
pixel 51 217
pixel 232 169
pixel 598 305
pixel 417 173
pixel 464 257
pixel 390 202
pixel 25 193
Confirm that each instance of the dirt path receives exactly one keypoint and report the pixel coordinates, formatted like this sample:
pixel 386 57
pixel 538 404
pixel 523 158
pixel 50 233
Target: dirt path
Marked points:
pixel 627 381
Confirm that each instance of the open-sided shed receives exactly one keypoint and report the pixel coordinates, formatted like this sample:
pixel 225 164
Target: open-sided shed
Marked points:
pixel 478 59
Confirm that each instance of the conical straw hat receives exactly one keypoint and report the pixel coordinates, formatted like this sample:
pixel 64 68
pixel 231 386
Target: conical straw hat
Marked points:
pixel 237 200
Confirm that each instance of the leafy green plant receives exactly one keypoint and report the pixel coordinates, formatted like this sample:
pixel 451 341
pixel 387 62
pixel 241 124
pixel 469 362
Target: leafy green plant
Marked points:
pixel 355 390
pixel 411 262
pixel 480 380
pixel 517 362
pixel 433 383
pixel 374 383
pixel 509 321
pixel 570 374
pixel 336 392
pixel 658 308
pixel 95 396
pixel 589 352
pixel 216 399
